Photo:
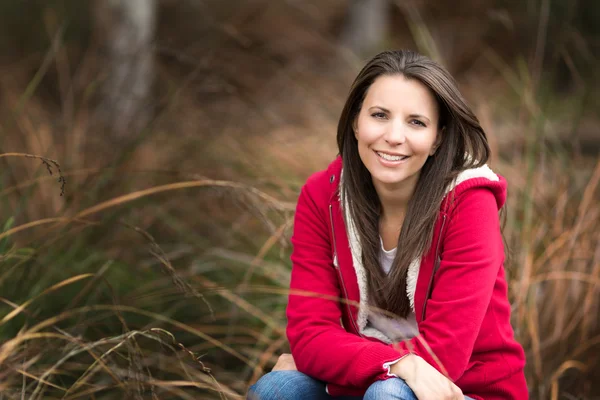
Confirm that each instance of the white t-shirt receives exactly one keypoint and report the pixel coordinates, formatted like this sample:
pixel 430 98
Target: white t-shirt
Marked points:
pixel 396 329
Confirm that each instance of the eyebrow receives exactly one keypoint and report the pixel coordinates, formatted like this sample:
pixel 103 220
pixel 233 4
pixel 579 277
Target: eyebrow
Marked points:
pixel 410 116
pixel 381 108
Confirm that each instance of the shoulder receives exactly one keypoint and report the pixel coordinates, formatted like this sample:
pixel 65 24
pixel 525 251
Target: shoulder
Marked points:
pixel 318 180
pixel 313 203
pixel 321 185
pixel 473 215
pixel 477 185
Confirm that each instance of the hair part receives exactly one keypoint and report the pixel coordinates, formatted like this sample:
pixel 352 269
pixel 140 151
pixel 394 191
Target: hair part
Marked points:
pixel 463 145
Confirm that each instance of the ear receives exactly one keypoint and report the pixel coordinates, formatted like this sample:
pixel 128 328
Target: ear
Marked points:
pixel 355 126
pixel 438 141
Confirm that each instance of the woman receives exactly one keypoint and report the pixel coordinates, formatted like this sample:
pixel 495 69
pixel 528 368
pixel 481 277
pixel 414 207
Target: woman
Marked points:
pixel 398 288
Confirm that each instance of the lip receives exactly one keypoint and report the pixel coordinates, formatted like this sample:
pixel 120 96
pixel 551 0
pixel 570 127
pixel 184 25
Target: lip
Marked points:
pixel 388 163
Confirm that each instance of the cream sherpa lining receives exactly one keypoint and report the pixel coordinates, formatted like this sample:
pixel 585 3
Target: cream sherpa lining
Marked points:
pixel 413 269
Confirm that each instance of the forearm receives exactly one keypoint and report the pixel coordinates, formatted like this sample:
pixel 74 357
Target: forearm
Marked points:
pixel 343 358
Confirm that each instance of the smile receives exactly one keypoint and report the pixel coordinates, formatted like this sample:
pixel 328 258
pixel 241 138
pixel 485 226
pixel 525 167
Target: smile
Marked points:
pixel 389 157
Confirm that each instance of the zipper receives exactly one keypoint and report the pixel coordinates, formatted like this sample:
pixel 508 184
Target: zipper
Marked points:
pixel 337 267
pixel 436 266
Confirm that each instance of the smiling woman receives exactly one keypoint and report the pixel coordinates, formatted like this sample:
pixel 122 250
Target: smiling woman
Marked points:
pixel 404 224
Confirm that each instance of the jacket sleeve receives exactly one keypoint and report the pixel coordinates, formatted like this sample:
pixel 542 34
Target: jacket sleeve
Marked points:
pixel 472 256
pixel 320 346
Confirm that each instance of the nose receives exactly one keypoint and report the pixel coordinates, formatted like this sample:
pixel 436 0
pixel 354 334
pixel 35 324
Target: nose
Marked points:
pixel 395 134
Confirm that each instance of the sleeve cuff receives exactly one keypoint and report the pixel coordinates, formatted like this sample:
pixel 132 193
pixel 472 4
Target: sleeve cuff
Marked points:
pixel 388 366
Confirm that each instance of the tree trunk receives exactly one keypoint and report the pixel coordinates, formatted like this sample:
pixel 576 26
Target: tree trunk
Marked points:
pixel 366 26
pixel 124 30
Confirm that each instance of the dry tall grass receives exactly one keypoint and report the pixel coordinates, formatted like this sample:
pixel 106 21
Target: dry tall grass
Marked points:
pixel 162 271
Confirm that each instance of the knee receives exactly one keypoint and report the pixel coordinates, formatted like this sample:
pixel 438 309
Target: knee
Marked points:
pixel 284 385
pixel 392 388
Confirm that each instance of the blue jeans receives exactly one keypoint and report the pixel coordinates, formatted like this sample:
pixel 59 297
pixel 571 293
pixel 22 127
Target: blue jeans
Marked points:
pixel 294 385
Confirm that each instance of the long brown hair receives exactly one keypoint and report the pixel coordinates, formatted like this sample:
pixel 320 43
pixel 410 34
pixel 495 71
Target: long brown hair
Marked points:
pixel 462 135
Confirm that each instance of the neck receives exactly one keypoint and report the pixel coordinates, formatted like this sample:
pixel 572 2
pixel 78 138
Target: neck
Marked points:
pixel 394 199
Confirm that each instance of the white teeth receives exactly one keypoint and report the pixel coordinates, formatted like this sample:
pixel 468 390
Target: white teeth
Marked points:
pixel 389 157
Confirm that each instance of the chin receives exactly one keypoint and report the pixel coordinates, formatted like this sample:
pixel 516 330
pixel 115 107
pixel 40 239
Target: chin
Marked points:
pixel 390 180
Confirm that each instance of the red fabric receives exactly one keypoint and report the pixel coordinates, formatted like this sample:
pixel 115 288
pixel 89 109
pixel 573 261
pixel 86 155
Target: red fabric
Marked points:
pixel 467 322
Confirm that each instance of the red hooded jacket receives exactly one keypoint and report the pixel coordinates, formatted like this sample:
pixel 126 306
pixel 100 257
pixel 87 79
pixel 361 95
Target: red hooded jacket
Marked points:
pixel 465 333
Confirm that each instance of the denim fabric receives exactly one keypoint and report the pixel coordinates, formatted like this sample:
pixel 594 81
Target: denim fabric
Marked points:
pixel 294 385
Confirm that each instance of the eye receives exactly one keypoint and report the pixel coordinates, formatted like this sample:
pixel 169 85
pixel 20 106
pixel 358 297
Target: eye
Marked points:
pixel 419 123
pixel 378 115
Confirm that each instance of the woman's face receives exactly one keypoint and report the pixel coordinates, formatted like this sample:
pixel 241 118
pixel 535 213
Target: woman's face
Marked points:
pixel 396 130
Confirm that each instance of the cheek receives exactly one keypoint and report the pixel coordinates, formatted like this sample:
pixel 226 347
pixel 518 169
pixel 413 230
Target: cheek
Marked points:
pixel 425 143
pixel 368 132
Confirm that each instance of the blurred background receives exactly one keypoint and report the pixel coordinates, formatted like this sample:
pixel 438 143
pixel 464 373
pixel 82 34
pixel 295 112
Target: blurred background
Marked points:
pixel 152 152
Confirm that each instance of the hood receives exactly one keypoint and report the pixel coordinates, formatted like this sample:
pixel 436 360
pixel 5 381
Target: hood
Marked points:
pixel 479 177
